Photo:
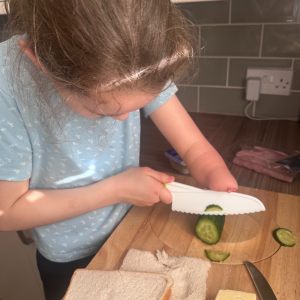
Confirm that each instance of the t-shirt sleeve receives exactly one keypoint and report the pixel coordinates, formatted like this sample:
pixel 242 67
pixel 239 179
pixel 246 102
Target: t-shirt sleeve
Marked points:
pixel 161 99
pixel 15 146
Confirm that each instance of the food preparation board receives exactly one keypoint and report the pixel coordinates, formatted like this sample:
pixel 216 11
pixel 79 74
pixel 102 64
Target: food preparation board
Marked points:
pixel 281 269
pixel 248 237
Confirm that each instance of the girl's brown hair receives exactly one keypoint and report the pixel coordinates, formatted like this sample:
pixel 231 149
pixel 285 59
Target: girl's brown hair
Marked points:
pixel 108 43
pixel 84 45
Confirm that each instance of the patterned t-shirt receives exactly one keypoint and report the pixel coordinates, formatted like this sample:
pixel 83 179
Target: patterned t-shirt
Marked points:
pixel 90 150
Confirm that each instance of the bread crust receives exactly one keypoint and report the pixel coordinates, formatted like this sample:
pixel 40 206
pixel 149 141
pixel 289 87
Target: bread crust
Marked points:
pixel 166 295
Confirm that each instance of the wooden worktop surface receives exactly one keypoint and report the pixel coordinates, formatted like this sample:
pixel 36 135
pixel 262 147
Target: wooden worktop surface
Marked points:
pixel 224 133
pixel 281 269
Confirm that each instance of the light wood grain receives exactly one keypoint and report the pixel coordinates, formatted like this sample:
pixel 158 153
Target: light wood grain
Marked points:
pixel 246 237
pixel 281 269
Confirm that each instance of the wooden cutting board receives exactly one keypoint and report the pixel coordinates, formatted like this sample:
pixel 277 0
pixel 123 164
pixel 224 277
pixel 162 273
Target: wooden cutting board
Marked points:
pixel 281 269
pixel 248 237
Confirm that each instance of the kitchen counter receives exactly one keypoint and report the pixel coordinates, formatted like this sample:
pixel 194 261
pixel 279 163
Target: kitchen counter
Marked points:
pixel 281 268
pixel 282 201
pixel 223 132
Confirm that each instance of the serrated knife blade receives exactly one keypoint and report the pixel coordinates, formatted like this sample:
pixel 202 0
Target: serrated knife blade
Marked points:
pixel 264 289
pixel 193 200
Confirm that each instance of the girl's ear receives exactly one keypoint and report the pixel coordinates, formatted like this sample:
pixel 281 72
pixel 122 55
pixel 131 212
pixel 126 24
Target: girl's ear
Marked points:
pixel 28 51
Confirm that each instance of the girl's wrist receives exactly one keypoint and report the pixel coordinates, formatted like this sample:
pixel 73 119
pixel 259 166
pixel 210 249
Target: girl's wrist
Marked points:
pixel 109 190
pixel 220 179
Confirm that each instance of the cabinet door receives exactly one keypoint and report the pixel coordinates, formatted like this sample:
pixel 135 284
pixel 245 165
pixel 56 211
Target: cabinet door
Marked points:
pixel 19 276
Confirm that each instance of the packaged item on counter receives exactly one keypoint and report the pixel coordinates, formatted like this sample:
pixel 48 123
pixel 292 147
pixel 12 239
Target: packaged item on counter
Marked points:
pixel 292 162
pixel 176 161
pixel 270 162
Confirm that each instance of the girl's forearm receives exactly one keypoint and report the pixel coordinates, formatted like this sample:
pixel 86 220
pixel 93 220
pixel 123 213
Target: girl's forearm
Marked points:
pixel 208 168
pixel 203 165
pixel 43 207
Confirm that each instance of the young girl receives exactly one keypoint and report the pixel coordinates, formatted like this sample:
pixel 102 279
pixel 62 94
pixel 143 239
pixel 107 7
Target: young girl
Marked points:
pixel 74 75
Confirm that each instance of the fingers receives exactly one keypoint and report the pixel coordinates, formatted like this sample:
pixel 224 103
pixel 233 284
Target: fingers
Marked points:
pixel 233 186
pixel 230 190
pixel 165 195
pixel 223 184
pixel 159 176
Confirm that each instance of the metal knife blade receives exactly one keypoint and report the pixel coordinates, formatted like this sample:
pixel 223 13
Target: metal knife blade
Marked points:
pixel 260 282
pixel 194 200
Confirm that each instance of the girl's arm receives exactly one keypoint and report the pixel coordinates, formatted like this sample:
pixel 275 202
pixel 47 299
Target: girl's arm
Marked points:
pixel 21 208
pixel 203 161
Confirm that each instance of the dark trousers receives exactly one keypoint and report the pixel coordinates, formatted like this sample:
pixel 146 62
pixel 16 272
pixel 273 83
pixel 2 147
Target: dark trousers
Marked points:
pixel 56 276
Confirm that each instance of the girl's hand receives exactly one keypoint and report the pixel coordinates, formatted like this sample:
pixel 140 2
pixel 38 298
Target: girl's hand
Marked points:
pixel 221 180
pixel 142 187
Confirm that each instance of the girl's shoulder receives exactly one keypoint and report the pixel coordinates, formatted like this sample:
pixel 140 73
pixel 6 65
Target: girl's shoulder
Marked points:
pixel 12 66
pixel 9 50
pixel 8 61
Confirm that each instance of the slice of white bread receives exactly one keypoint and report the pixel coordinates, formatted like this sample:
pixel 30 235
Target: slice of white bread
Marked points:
pixel 189 273
pixel 117 285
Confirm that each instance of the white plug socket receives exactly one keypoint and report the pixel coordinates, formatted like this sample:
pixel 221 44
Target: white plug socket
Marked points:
pixel 273 81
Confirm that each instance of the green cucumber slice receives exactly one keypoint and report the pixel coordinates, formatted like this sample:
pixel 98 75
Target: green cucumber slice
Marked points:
pixel 284 237
pixel 209 228
pixel 213 207
pixel 215 255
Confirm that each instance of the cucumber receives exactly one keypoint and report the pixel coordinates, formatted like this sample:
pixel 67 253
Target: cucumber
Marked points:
pixel 209 228
pixel 213 207
pixel 284 237
pixel 216 256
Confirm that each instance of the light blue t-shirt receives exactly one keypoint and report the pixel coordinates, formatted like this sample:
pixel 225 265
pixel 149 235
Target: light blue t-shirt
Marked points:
pixel 90 150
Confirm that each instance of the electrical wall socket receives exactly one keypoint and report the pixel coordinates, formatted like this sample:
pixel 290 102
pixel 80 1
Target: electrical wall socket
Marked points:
pixel 273 81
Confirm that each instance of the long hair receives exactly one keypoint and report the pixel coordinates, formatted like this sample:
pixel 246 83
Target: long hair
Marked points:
pixel 106 44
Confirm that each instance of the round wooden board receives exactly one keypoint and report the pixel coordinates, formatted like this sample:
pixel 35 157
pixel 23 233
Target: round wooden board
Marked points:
pixel 246 237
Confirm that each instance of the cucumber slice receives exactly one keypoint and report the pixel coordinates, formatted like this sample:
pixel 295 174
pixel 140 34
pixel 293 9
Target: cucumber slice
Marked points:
pixel 209 228
pixel 213 207
pixel 216 256
pixel 284 237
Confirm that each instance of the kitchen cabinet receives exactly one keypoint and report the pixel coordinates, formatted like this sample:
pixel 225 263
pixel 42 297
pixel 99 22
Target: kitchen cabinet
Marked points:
pixel 19 276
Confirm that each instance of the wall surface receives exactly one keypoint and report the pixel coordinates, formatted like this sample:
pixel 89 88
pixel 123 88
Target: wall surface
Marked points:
pixel 236 35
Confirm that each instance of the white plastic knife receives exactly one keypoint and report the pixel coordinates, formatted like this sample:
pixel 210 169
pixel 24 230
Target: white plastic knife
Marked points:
pixel 193 200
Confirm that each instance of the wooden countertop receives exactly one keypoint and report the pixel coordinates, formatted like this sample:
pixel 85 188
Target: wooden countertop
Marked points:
pixel 223 132
pixel 282 269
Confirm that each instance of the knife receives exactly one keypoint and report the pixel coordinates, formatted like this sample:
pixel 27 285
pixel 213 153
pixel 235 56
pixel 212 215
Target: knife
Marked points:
pixel 193 200
pixel 261 284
